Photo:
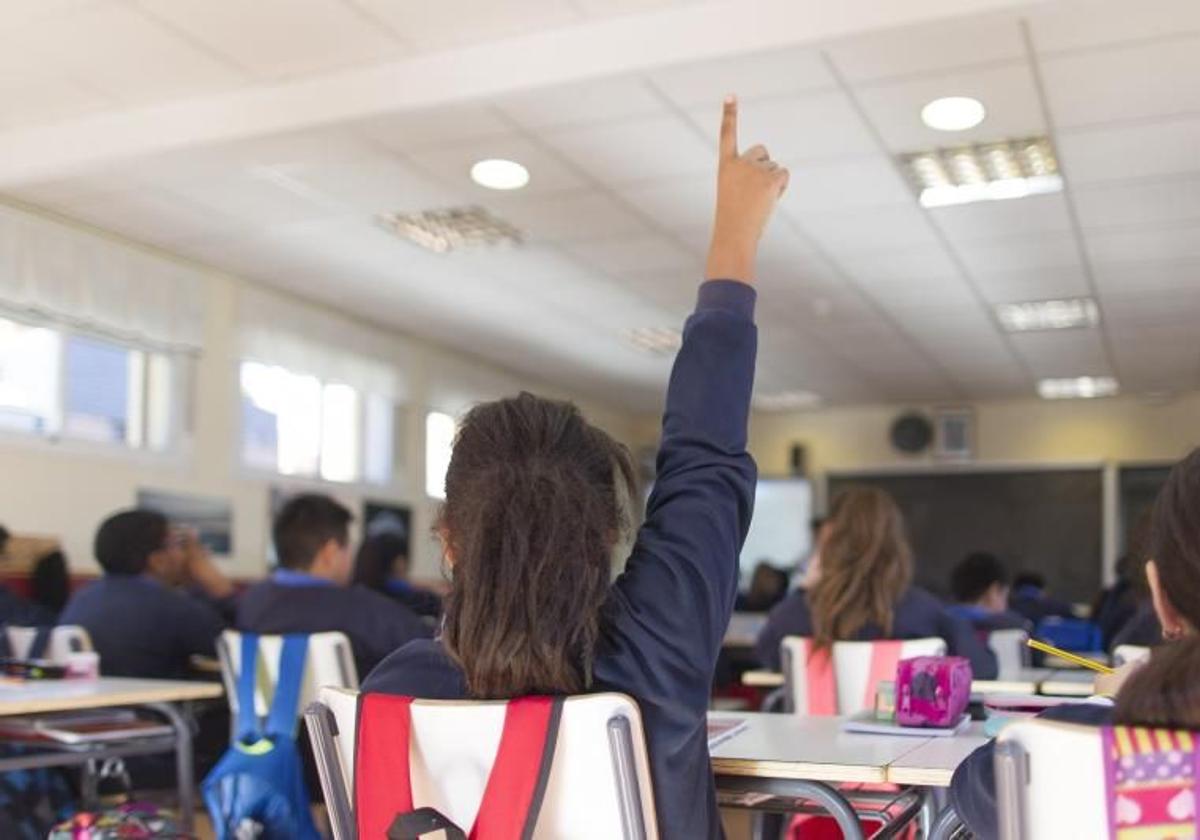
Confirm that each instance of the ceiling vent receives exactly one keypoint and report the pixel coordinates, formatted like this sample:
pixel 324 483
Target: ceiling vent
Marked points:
pixel 452 229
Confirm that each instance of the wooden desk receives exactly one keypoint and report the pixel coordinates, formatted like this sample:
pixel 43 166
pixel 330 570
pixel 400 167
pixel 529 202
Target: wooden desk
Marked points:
pixel 933 763
pixel 762 679
pixel 160 696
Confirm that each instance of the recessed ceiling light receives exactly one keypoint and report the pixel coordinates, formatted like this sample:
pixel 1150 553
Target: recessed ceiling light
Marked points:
pixel 657 341
pixel 984 172
pixel 499 174
pixel 1065 314
pixel 953 113
pixel 786 401
pixel 1078 388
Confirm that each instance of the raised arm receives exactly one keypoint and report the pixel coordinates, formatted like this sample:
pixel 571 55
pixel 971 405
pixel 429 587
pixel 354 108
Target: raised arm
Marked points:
pixel 676 594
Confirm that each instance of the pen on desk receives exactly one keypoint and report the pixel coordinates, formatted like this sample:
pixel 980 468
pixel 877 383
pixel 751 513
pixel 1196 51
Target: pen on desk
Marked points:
pixel 1082 661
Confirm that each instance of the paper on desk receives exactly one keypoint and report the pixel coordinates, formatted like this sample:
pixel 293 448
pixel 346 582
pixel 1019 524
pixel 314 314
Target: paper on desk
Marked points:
pixel 721 730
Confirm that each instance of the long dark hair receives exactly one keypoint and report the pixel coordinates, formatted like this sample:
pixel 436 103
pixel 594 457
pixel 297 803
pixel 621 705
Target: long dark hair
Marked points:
pixel 531 517
pixel 375 563
pixel 866 565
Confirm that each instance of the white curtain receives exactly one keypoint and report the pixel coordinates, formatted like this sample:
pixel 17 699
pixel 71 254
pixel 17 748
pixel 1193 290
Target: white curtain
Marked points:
pixel 55 273
pixel 277 329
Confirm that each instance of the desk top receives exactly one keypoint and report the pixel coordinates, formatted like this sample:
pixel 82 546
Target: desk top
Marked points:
pixel 1025 681
pixel 40 696
pixel 933 763
pixel 743 629
pixel 810 748
pixel 1072 683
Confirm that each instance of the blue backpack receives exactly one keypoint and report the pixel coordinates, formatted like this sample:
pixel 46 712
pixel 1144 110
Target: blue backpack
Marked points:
pixel 257 788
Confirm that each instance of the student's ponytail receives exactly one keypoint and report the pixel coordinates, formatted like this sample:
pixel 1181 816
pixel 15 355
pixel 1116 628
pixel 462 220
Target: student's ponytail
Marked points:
pixel 531 516
pixel 1165 691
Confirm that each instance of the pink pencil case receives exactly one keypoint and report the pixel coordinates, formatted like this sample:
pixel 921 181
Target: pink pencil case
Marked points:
pixel 932 690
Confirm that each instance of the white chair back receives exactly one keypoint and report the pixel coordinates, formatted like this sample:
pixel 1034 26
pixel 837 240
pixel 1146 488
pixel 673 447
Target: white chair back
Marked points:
pixel 599 786
pixel 329 661
pixel 852 667
pixel 64 640
pixel 1011 649
pixel 1124 654
pixel 1050 781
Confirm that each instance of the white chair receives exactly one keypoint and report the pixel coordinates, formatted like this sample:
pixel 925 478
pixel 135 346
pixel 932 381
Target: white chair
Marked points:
pixel 1124 654
pixel 1011 648
pixel 64 640
pixel 329 661
pixel 853 664
pixel 599 786
pixel 1050 781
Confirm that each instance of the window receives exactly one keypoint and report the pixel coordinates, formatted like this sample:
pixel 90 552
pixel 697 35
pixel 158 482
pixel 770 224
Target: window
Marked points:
pixel 294 424
pixel 439 443
pixel 55 382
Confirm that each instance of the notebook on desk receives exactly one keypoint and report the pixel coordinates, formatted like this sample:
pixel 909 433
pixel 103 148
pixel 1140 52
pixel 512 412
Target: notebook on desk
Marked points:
pixel 721 729
pixel 866 723
pixel 76 728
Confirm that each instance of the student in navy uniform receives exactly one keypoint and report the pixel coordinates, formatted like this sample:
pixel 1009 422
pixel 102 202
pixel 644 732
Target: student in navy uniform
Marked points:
pixel 1173 576
pixel 1029 599
pixel 979 584
pixel 382 565
pixel 140 622
pixel 309 592
pixel 861 589
pixel 14 609
pixel 534 509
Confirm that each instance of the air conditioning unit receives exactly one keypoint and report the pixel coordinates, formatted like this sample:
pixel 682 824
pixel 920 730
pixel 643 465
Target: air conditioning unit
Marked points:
pixel 954 433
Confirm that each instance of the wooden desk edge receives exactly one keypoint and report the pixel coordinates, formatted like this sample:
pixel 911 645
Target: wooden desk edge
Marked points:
pixel 920 776
pixel 130 697
pixel 800 770
pixel 762 679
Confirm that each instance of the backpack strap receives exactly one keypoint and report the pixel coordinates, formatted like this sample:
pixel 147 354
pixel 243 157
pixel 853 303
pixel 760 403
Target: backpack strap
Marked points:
pixel 821 680
pixel 885 657
pixel 516 785
pixel 248 729
pixel 41 642
pixel 5 645
pixel 285 705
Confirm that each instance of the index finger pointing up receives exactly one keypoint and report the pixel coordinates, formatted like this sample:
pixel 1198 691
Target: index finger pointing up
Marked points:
pixel 729 142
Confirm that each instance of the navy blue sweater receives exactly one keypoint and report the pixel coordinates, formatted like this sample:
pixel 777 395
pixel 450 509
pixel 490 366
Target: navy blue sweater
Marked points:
pixel 667 612
pixel 918 615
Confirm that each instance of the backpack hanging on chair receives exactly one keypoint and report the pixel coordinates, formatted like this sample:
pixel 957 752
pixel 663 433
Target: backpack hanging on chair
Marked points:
pixel 512 797
pixel 257 788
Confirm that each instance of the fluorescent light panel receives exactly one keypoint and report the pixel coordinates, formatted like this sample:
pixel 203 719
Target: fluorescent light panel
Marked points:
pixel 984 172
pixel 1063 314
pixel 786 401
pixel 656 341
pixel 1078 388
pixel 452 229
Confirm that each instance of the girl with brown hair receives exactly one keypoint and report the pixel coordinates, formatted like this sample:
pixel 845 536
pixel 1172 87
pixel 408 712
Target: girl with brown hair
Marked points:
pixel 534 510
pixel 862 589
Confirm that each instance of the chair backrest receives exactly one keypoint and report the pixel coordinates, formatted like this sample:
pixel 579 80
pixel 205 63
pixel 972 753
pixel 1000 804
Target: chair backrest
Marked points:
pixel 858 667
pixel 64 640
pixel 1124 654
pixel 1011 649
pixel 329 662
pixel 599 786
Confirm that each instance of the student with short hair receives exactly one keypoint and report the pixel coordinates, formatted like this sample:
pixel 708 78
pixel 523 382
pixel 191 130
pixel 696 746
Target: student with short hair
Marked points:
pixel 534 508
pixel 14 609
pixel 979 585
pixel 1165 692
pixel 1030 599
pixel 310 592
pixel 862 589
pixel 140 622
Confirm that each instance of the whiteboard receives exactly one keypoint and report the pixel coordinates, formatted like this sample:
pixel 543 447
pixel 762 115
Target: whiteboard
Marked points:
pixel 780 532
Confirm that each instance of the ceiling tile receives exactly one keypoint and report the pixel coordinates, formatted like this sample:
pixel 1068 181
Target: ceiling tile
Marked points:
pixel 1132 245
pixel 993 219
pixel 447 23
pixel 930 48
pixel 644 149
pixel 1146 202
pixel 1032 283
pixel 846 184
pixel 870 229
pixel 1063 353
pixel 1019 253
pixel 586 103
pixel 452 164
pixel 411 130
pixel 1123 84
pixel 912 263
pixel 1006 91
pixel 684 202
pixel 638 254
pixel 1130 151
pixel 32 98
pixel 751 77
pixel 1087 25
pixel 567 217
pixel 1151 279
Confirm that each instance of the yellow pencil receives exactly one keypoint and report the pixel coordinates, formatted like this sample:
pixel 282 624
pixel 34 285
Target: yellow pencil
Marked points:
pixel 1082 661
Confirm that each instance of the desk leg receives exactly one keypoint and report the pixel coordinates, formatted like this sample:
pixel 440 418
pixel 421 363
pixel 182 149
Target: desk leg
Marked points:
pixel 183 763
pixel 946 825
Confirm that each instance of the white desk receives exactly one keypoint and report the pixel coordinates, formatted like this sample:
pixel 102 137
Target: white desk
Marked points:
pixel 1024 681
pixel 743 629
pixel 762 679
pixel 160 696
pixel 933 763
pixel 1072 683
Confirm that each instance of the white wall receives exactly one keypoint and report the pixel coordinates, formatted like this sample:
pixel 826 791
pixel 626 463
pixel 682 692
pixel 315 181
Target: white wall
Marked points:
pixel 65 489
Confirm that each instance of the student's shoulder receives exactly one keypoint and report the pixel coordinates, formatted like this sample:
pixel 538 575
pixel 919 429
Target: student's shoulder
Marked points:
pixel 1091 714
pixel 421 668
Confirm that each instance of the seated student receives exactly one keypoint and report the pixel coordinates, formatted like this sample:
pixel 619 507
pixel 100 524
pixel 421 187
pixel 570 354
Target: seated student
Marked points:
pixel 768 585
pixel 979 585
pixel 14 609
pixel 533 511
pixel 862 589
pixel 1122 611
pixel 1173 576
pixel 309 592
pixel 141 624
pixel 50 583
pixel 382 565
pixel 1029 599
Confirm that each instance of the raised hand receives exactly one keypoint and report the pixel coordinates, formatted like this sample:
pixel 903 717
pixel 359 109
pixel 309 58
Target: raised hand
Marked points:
pixel 748 186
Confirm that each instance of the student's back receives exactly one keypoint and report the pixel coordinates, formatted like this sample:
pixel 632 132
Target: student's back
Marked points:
pixel 139 621
pixel 533 512
pixel 308 593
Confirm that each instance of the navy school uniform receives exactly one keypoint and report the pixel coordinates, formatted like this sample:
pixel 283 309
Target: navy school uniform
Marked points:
pixel 986 621
pixel 18 612
pixel 143 628
pixel 918 615
pixel 973 788
pixel 295 602
pixel 667 612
